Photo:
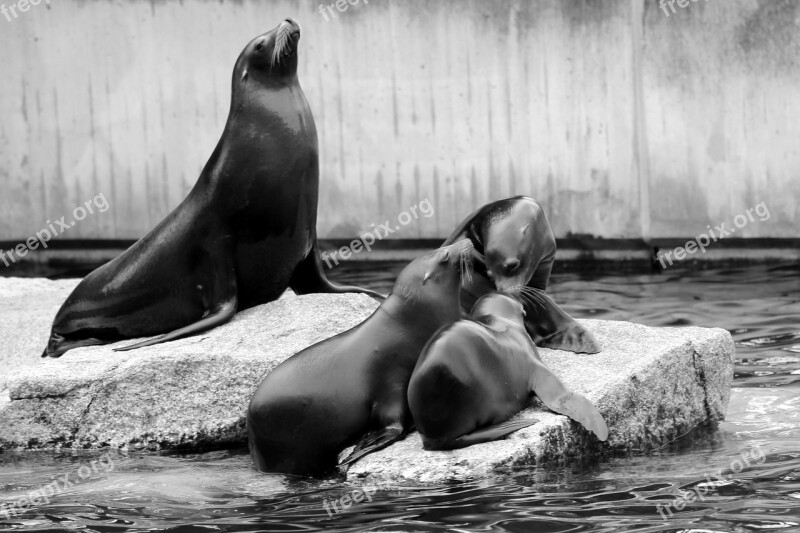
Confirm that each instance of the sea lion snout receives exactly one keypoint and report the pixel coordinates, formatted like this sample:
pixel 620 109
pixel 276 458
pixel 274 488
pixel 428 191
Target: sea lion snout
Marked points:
pixel 511 281
pixel 291 23
pixel 289 28
pixel 454 259
pixel 465 256
pixel 464 247
pixel 284 47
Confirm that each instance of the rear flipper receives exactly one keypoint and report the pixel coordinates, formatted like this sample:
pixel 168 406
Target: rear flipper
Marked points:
pixel 221 297
pixel 309 277
pixel 556 397
pixel 487 434
pixel 550 327
pixel 575 338
pixel 372 442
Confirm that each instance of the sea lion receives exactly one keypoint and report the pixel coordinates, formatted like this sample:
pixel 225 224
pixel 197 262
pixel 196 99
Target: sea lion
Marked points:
pixel 477 373
pixel 515 249
pixel 351 389
pixel 245 233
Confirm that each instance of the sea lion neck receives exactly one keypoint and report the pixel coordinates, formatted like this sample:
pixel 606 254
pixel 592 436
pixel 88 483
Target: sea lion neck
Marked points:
pixel 426 320
pixel 252 85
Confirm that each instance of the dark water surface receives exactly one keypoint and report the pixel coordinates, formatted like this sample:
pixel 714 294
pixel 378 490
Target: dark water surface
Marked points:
pixel 757 449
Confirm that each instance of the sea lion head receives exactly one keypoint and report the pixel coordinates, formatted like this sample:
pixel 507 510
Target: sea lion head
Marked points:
pixel 516 239
pixel 434 279
pixel 499 305
pixel 271 56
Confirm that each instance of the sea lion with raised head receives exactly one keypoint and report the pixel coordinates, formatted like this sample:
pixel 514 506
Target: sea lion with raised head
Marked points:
pixel 351 389
pixel 477 373
pixel 245 233
pixel 515 250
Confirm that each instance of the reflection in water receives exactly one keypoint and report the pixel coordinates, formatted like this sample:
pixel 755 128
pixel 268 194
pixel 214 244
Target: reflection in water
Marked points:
pixel 219 491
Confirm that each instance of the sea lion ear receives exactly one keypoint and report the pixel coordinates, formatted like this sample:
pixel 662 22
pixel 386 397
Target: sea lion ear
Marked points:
pixel 525 228
pixel 426 277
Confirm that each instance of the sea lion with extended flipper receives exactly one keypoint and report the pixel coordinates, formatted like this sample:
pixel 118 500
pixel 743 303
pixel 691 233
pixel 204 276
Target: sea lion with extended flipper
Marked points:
pixel 351 389
pixel 245 233
pixel 477 373
pixel 515 249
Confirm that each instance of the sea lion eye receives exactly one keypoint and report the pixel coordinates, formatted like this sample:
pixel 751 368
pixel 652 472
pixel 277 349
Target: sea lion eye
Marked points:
pixel 446 257
pixel 260 45
pixel 511 265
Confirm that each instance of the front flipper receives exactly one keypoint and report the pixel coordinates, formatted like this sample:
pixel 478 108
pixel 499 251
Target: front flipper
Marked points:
pixel 374 441
pixel 309 277
pixel 221 297
pixel 557 398
pixel 550 327
pixel 58 344
pixel 487 434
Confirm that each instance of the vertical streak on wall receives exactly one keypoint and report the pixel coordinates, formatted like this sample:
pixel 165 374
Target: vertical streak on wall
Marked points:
pixel 642 156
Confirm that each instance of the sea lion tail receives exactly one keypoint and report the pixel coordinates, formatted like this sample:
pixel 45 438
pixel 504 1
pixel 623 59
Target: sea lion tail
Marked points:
pixel 309 277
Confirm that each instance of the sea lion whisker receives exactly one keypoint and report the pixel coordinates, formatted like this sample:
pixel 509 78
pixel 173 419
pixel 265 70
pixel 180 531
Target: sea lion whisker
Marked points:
pixel 525 298
pixel 536 295
pixel 531 295
pixel 280 44
pixel 466 266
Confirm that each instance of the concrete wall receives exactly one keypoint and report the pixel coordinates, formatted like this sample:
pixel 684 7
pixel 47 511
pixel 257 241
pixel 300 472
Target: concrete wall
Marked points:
pixel 624 121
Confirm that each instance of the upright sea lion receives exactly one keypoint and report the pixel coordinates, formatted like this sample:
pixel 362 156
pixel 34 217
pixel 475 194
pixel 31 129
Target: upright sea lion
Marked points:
pixel 245 233
pixel 515 250
pixel 477 373
pixel 351 388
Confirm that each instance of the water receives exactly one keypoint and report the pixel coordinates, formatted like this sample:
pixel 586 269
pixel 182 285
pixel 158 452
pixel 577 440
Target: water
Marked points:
pixel 759 491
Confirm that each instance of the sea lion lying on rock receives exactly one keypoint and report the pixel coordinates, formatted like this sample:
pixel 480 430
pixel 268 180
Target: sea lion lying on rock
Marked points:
pixel 476 374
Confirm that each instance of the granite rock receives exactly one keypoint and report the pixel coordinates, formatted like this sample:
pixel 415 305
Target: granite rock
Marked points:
pixel 651 384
